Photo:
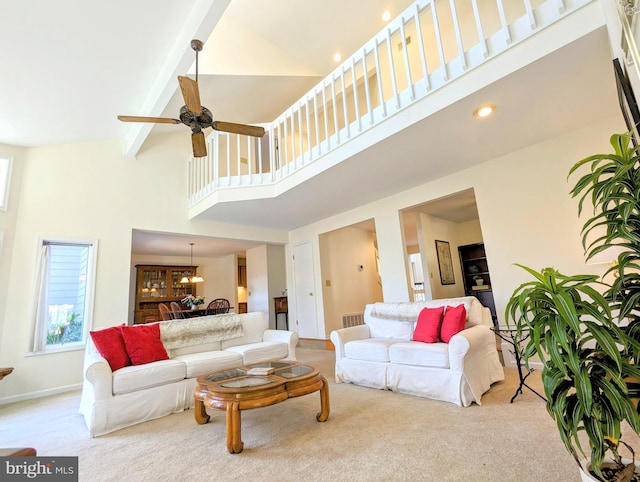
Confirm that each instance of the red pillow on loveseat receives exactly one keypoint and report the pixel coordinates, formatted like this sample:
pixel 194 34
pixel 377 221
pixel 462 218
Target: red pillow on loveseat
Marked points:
pixel 428 325
pixel 143 343
pixel 453 322
pixel 110 345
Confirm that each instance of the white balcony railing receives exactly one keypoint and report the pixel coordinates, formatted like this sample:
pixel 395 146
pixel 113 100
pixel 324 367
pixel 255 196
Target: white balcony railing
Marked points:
pixel 430 44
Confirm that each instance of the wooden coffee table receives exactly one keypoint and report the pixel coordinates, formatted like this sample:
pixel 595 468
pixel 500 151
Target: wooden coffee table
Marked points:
pixel 244 388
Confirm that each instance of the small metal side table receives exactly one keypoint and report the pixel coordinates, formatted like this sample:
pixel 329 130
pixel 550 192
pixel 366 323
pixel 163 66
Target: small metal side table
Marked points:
pixel 510 335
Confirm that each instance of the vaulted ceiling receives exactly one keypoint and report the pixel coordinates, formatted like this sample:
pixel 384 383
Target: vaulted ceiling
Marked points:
pixel 69 67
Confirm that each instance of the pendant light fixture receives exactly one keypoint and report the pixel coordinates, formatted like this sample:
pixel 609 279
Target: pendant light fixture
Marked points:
pixel 195 278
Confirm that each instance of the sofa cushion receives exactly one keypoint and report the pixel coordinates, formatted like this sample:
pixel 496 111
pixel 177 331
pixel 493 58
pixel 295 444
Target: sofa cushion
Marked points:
pixel 143 343
pixel 428 325
pixel 254 325
pixel 369 349
pixel 260 352
pixel 453 322
pixel 139 377
pixel 208 361
pixel 434 355
pixel 389 328
pixel 213 346
pixel 110 345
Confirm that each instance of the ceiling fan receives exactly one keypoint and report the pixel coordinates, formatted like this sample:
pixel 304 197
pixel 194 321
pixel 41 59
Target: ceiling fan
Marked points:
pixel 196 116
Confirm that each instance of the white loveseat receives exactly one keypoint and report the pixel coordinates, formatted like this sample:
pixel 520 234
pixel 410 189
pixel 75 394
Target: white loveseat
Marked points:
pixel 134 394
pixel 381 353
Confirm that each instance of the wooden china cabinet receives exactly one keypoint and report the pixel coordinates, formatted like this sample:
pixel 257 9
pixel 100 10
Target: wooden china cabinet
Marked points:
pixel 157 284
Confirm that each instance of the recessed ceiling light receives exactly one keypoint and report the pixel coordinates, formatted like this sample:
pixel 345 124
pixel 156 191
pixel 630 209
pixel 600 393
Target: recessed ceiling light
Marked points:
pixel 386 16
pixel 337 57
pixel 484 111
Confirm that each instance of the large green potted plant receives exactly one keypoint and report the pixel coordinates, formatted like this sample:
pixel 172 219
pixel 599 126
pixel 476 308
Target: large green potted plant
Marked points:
pixel 585 331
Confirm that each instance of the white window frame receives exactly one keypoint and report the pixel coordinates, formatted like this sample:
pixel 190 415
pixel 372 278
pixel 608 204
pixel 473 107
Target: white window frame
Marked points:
pixel 5 181
pixel 40 320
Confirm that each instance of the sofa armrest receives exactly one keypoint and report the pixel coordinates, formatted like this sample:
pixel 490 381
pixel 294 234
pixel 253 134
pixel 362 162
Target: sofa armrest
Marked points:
pixel 345 335
pixel 97 373
pixel 470 346
pixel 283 336
pixel 487 319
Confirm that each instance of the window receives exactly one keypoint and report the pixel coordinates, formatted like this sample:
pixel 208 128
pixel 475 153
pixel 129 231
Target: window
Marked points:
pixel 64 295
pixel 5 178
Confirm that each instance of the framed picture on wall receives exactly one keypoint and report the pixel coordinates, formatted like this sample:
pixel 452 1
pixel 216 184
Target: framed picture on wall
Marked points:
pixel 444 263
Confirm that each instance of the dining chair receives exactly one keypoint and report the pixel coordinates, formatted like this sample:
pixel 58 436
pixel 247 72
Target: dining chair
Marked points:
pixel 218 306
pixel 165 312
pixel 176 309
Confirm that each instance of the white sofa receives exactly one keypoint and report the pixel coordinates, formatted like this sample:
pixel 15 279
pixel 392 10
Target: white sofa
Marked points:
pixel 134 394
pixel 381 353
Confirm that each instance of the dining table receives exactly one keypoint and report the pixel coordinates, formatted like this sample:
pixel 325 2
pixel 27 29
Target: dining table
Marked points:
pixel 194 313
pixel 200 312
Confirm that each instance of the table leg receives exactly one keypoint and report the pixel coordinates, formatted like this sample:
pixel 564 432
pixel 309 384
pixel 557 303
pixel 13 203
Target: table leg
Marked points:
pixel 523 378
pixel 234 435
pixel 200 412
pixel 323 415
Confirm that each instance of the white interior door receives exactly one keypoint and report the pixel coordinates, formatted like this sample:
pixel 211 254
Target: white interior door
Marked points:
pixel 305 298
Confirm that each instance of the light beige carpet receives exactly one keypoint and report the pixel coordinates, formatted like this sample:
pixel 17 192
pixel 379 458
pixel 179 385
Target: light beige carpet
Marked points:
pixel 371 435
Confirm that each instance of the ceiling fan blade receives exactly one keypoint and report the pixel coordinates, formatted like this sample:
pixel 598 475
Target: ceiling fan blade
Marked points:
pixel 190 93
pixel 157 120
pixel 199 145
pixel 243 129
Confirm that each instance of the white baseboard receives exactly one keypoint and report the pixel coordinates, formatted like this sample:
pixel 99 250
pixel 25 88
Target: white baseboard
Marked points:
pixel 533 365
pixel 39 394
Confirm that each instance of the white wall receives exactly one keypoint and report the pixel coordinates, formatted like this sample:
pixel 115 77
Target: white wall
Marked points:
pixel 470 232
pixel 277 281
pixel 90 191
pixel 345 287
pixel 266 278
pixel 8 220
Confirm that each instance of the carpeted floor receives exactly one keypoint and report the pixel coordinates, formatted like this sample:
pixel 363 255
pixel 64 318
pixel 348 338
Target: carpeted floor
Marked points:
pixel 371 435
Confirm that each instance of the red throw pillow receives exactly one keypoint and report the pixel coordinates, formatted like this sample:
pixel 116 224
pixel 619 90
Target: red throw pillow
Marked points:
pixel 143 343
pixel 110 345
pixel 428 325
pixel 453 322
